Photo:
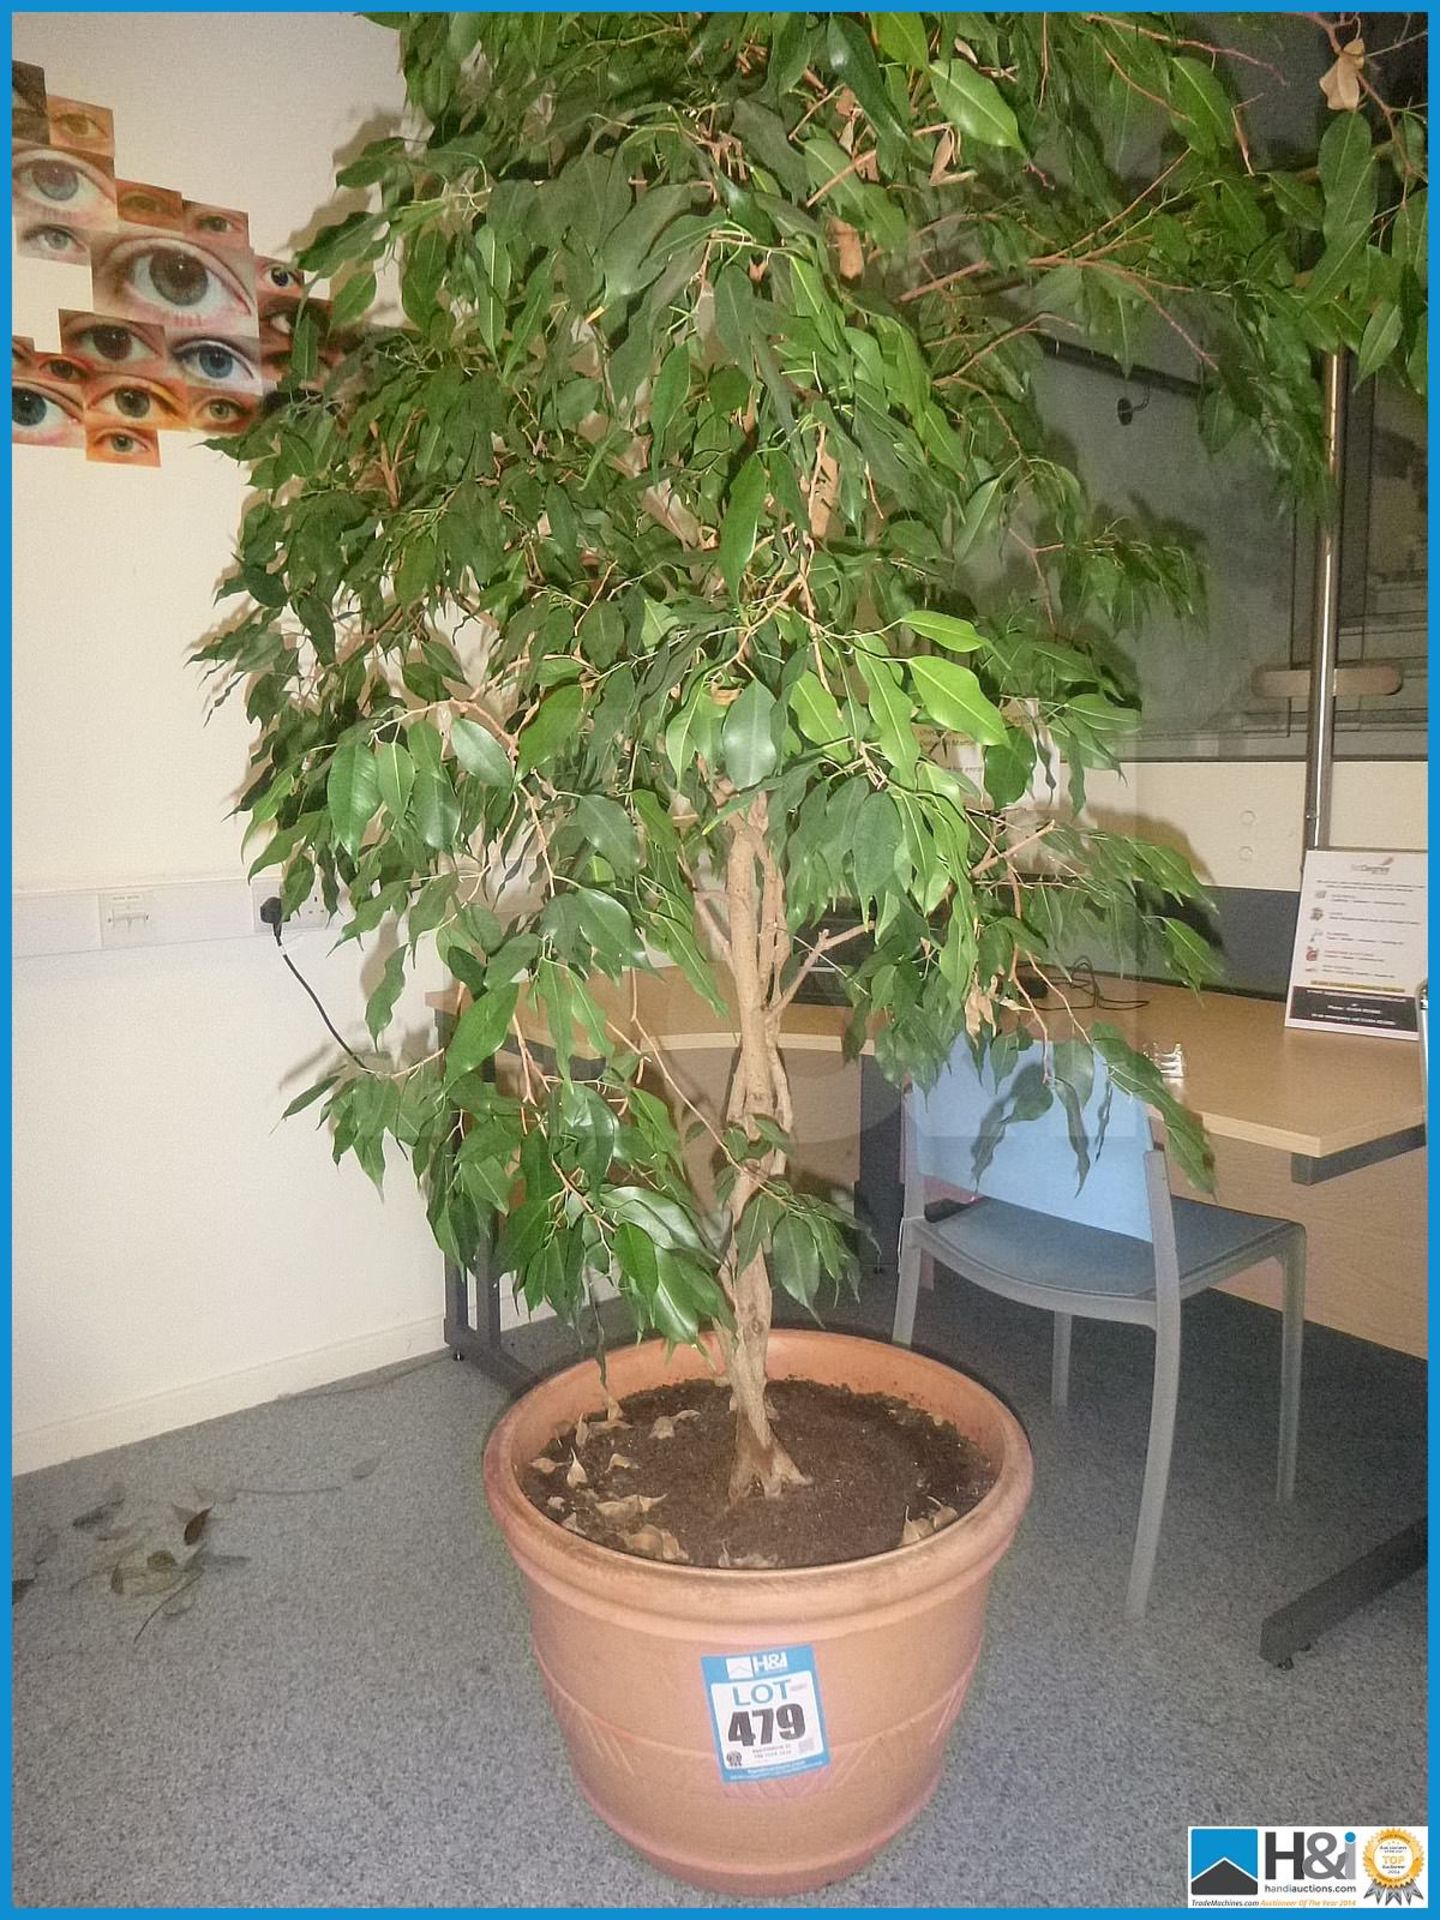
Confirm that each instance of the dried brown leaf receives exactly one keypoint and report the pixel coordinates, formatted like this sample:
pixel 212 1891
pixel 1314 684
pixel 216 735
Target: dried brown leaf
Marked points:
pixel 942 1517
pixel 575 1474
pixel 110 1503
pixel 618 1460
pixel 759 1560
pixel 582 1433
pixel 656 1543
pixel 849 254
pixel 1341 85
pixel 555 1503
pixel 913 1530
pixel 161 1561
pixel 363 1469
pixel 618 1512
pixel 663 1429
pixel 944 154
pixel 196 1525
pixel 542 1463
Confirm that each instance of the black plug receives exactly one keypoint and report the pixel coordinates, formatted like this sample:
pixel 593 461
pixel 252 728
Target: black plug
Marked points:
pixel 271 913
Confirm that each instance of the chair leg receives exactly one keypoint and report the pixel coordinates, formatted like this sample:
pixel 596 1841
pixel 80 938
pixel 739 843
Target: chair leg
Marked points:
pixel 1292 1336
pixel 1157 1461
pixel 1060 1362
pixel 906 1293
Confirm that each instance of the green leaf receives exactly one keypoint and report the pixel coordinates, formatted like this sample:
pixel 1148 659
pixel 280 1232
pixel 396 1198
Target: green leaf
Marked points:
pixel 974 106
pixel 553 727
pixel 735 314
pixel 902 37
pixel 815 710
pixel 747 739
pixel 959 636
pixel 892 711
pixel 479 1032
pixel 353 300
pixel 1379 340
pixel 624 259
pixel 671 385
pixel 1200 104
pixel 875 843
pixel 795 1259
pixel 481 754
pixel 352 792
pixel 435 807
pixel 396 772
pixel 609 830
pixel 381 1004
pixel 742 518
pixel 852 60
pixel 952 695
pixel 1348 175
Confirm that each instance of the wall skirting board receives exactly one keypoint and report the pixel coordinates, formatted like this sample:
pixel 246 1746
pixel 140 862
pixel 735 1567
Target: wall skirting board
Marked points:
pixel 228 1393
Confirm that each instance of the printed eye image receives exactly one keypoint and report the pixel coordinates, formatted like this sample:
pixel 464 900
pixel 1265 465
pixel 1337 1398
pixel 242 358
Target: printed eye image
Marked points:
pixel 143 206
pixel 43 180
pixel 274 279
pixel 189 329
pixel 221 412
pixel 66 373
pixel 218 365
pixel 125 400
pixel 110 344
pixel 44 416
pixel 28 107
pixel 122 446
pixel 50 240
pixel 217 226
pixel 172 281
pixel 80 127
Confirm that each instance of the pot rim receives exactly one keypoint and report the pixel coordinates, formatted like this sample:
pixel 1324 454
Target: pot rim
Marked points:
pixel 983 1532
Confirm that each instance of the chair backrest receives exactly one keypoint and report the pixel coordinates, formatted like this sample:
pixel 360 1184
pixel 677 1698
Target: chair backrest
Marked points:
pixel 1034 1164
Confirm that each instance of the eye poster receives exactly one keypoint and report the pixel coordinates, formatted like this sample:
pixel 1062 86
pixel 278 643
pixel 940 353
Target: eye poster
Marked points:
pixel 176 324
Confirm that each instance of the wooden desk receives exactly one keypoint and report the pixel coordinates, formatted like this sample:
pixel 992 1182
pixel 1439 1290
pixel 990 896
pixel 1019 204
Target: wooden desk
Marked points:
pixel 1335 1104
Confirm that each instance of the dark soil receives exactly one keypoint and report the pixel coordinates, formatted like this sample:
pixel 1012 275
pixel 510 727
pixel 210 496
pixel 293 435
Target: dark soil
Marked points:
pixel 653 1478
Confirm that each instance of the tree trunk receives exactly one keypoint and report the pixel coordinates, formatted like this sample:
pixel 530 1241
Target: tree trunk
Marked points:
pixel 759 945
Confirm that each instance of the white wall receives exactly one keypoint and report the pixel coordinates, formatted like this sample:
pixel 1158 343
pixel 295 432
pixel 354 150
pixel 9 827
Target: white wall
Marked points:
pixel 175 1255
pixel 1242 822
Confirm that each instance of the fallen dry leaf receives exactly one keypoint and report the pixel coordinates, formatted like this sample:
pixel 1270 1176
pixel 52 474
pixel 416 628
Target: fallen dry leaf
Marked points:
pixel 571 1524
pixel 727 1559
pixel 655 1542
pixel 542 1464
pixel 944 154
pixel 619 1512
pixel 582 1433
pixel 575 1474
pixel 664 1427
pixel 555 1503
pixel 618 1460
pixel 942 1517
pixel 913 1530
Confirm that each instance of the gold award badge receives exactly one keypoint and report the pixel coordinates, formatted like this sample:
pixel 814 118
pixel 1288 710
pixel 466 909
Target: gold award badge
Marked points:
pixel 1393 1859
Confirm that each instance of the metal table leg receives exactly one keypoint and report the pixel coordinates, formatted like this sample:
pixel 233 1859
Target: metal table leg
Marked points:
pixel 1301 1620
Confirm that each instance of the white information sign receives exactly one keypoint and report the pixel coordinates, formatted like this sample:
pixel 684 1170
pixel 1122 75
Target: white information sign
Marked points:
pixel 1360 947
pixel 765 1712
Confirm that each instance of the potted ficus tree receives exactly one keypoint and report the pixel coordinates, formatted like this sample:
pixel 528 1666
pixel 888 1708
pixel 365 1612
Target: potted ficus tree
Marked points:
pixel 692 564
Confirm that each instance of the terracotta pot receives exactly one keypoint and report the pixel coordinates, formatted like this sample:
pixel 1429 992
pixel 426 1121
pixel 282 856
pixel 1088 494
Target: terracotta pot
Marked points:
pixel 894 1640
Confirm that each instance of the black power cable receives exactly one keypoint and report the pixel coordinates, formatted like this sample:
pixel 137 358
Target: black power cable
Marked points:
pixel 271 915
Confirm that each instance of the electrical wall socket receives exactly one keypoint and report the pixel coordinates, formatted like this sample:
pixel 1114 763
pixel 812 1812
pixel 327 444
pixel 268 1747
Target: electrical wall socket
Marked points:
pixel 308 917
pixel 127 917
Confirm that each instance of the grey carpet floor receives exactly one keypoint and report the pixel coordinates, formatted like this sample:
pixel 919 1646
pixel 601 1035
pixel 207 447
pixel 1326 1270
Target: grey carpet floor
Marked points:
pixel 348 1715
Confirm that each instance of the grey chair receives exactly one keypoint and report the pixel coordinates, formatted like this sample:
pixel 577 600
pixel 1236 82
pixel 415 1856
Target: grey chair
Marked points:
pixel 1116 1246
